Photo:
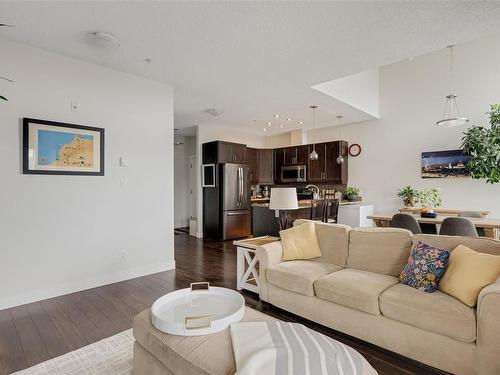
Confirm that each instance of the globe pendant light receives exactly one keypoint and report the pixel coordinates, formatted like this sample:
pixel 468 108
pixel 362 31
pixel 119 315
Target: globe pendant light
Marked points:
pixel 313 155
pixel 451 119
pixel 340 158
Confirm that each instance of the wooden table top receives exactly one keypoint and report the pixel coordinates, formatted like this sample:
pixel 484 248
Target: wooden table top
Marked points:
pixel 478 222
pixel 253 243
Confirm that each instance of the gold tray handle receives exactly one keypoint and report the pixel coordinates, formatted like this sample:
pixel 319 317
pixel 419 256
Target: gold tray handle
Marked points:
pixel 202 285
pixel 197 322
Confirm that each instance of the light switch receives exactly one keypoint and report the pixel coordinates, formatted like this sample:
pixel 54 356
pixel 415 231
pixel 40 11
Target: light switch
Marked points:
pixel 123 162
pixel 74 106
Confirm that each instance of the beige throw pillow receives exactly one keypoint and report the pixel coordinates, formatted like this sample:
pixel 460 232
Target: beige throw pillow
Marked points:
pixel 300 242
pixel 468 272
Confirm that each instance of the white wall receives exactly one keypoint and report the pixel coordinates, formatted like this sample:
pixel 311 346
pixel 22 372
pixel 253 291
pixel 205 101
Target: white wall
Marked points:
pixel 182 201
pixel 411 101
pixel 60 234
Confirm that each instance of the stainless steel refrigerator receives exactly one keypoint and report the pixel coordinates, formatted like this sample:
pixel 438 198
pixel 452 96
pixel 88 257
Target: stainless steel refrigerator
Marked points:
pixel 226 206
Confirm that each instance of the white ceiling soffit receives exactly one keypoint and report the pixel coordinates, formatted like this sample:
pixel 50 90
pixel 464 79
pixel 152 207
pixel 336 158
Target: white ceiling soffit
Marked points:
pixel 250 59
pixel 360 90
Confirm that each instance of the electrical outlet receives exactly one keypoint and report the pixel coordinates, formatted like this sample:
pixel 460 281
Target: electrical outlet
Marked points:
pixel 123 254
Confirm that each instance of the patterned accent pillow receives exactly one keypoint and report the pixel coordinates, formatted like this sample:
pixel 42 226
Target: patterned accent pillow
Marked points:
pixel 425 267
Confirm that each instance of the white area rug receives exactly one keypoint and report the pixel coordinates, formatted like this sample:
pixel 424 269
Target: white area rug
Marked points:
pixel 109 356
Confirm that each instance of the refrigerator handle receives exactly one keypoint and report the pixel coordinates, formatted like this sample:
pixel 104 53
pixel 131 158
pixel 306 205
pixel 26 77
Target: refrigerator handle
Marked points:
pixel 240 186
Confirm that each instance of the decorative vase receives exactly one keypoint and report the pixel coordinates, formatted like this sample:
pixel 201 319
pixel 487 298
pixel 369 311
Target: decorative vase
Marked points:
pixel 352 197
pixel 408 202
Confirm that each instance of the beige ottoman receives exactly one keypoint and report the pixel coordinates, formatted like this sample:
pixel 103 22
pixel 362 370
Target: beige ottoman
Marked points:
pixel 158 353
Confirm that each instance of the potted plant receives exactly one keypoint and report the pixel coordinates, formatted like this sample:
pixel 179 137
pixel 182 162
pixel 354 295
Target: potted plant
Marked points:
pixel 483 147
pixel 352 193
pixel 429 200
pixel 409 196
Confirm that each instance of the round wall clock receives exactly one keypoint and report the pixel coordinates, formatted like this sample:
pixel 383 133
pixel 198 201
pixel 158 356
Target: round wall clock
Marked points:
pixel 354 149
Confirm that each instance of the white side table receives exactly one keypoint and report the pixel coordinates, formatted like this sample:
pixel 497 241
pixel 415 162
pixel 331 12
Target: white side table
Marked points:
pixel 247 274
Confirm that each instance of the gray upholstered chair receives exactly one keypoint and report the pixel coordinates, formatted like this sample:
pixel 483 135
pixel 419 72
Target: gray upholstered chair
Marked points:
pixel 406 221
pixel 474 214
pixel 458 226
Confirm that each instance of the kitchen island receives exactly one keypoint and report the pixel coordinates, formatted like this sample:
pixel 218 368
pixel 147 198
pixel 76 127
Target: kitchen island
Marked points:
pixel 350 213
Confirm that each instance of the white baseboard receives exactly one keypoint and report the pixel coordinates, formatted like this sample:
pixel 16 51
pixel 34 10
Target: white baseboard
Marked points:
pixel 51 291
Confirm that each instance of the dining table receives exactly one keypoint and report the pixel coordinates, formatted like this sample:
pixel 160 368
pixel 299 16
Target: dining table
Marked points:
pixel 491 226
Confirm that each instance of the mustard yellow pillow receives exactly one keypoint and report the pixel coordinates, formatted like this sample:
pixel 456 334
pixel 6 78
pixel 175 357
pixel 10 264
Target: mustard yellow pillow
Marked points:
pixel 468 272
pixel 300 242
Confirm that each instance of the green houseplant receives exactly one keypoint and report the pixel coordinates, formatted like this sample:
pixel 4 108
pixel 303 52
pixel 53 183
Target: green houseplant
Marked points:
pixel 409 196
pixel 352 193
pixel 429 199
pixel 483 147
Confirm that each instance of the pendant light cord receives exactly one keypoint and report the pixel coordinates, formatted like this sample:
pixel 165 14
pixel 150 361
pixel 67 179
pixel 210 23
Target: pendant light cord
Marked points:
pixel 314 112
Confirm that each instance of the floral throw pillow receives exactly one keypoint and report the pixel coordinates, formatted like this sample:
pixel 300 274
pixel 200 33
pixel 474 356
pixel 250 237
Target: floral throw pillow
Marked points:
pixel 425 267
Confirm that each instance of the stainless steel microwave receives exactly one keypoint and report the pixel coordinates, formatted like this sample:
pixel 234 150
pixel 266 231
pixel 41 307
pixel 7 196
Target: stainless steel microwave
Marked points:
pixel 293 173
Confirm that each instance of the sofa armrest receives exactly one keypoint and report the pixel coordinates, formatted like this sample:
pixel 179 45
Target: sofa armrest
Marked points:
pixel 268 255
pixel 488 329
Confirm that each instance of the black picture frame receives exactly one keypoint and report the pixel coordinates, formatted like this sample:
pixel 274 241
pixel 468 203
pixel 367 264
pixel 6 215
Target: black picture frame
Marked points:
pixel 27 122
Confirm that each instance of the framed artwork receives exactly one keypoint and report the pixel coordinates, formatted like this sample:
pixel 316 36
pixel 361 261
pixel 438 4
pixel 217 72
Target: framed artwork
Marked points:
pixel 58 148
pixel 445 164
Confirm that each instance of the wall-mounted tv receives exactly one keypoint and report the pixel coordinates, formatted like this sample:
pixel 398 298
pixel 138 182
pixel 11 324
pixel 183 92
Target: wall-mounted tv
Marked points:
pixel 445 164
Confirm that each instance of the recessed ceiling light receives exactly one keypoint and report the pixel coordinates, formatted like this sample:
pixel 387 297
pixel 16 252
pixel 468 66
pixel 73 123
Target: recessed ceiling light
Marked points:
pixel 288 119
pixel 282 126
pixel 265 129
pixel 269 123
pixel 300 122
pixel 276 116
pixel 214 111
pixel 102 39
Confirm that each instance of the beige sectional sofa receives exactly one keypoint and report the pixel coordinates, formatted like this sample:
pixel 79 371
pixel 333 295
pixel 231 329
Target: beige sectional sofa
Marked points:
pixel 354 288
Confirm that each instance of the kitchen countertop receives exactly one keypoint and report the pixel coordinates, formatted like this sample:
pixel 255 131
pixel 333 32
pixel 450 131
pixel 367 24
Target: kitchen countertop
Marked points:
pixel 306 203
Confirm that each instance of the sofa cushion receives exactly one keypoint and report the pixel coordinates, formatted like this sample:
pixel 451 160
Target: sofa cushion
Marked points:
pixel 299 275
pixel 435 312
pixel 425 267
pixel 380 250
pixel 300 242
pixel 332 239
pixel 480 244
pixel 468 273
pixel 353 288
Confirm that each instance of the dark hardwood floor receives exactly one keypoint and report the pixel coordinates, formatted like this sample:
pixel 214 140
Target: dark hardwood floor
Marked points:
pixel 38 331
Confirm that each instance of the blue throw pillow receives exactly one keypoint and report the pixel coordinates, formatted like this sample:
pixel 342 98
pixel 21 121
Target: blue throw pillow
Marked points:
pixel 425 267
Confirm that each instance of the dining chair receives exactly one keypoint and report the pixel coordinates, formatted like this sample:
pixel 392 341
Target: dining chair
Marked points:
pixel 406 221
pixel 474 214
pixel 458 226
pixel 331 211
pixel 317 209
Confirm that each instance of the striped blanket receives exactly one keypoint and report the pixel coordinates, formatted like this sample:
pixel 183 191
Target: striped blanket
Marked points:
pixel 280 348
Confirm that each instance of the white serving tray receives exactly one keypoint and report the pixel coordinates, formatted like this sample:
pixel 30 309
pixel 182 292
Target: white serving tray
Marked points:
pixel 192 312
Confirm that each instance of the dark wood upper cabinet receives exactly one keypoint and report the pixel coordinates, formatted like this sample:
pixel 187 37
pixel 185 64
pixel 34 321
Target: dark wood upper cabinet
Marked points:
pixel 316 168
pixel 295 155
pixel 326 168
pixel 334 172
pixel 266 166
pixel 253 164
pixel 279 161
pixel 224 152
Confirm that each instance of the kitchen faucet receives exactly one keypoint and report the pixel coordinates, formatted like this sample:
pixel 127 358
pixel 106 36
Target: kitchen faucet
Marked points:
pixel 314 189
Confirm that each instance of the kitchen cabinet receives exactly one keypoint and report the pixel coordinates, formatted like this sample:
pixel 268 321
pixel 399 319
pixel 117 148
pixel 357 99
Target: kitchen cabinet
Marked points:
pixel 316 168
pixel 334 172
pixel 279 161
pixel 266 166
pixel 224 152
pixel 253 164
pixel 326 168
pixel 295 155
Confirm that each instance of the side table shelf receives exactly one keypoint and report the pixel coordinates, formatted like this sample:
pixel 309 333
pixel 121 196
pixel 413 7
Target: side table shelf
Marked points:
pixel 247 270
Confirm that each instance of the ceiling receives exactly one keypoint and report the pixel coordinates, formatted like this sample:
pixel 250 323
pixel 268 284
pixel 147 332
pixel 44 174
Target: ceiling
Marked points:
pixel 250 59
